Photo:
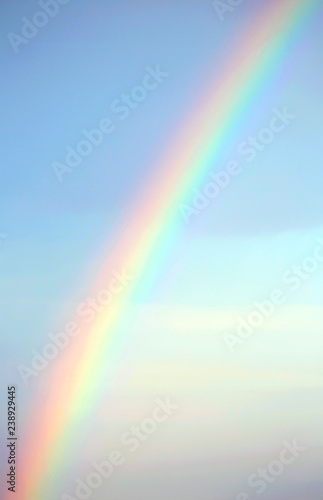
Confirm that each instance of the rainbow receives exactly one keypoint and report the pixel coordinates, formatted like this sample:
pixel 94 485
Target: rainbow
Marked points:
pixel 75 381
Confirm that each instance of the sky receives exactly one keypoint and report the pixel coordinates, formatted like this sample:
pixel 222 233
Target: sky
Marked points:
pixel 238 400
